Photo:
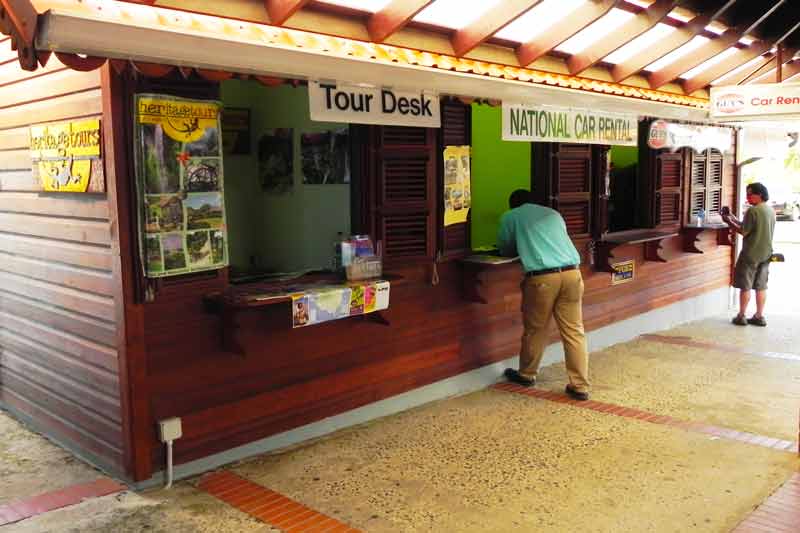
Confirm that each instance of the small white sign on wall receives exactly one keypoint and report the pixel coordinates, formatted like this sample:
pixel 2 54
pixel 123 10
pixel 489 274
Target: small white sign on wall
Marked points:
pixel 338 102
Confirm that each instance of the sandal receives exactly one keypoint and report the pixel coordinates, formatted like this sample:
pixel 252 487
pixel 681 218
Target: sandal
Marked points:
pixel 739 320
pixel 757 321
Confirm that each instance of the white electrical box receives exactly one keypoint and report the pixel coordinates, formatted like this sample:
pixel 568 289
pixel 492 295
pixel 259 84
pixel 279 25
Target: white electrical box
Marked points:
pixel 169 429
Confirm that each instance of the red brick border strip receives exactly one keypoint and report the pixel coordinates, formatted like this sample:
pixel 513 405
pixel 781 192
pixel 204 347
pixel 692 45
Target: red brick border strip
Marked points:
pixel 49 501
pixel 688 341
pixel 778 513
pixel 618 410
pixel 269 506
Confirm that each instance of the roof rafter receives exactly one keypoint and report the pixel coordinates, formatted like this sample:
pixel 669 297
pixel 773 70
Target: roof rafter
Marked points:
pixel 393 17
pixel 639 24
pixel 791 69
pixel 765 67
pixel 659 49
pixel 529 52
pixel 494 20
pixel 725 66
pixel 689 61
pixel 279 11
pixel 763 78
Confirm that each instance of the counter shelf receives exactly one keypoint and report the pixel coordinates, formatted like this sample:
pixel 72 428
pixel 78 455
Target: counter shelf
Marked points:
pixel 651 239
pixel 691 236
pixel 475 268
pixel 236 299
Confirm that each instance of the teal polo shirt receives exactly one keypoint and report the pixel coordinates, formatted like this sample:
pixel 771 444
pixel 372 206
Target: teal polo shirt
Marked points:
pixel 538 235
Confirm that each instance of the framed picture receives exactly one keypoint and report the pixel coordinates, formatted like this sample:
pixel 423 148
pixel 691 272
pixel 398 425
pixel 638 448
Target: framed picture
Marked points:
pixel 236 131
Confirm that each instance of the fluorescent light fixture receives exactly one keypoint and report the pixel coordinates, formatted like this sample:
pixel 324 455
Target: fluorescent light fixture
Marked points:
pixel 372 6
pixel 747 41
pixel 651 36
pixel 602 27
pixel 678 53
pixel 677 14
pixel 705 65
pixel 749 65
pixel 538 19
pixel 454 14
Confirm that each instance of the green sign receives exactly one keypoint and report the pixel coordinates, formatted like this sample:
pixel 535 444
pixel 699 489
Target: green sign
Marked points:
pixel 528 123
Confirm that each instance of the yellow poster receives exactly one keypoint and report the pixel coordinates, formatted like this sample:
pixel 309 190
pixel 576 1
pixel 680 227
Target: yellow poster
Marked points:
pixel 182 120
pixel 457 184
pixel 63 155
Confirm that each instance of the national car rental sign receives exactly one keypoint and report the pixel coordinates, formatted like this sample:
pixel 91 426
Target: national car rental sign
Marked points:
pixel 755 100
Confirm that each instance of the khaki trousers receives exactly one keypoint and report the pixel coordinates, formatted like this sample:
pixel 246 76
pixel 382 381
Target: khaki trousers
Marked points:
pixel 559 295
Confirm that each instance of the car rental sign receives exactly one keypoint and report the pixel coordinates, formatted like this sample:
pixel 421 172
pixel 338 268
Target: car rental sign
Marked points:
pixel 523 122
pixel 337 102
pixel 755 100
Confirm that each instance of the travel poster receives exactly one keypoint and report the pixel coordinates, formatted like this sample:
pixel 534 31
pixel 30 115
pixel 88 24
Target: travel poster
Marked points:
pixel 323 303
pixel 179 179
pixel 276 160
pixel 457 184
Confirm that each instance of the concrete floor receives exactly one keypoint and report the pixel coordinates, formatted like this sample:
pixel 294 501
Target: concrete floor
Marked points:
pixel 499 461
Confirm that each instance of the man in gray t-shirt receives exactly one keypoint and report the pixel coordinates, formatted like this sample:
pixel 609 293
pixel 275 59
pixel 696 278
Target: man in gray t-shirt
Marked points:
pixel 752 267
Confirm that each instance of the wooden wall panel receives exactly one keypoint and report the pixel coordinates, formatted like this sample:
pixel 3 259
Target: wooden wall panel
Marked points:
pixel 292 377
pixel 58 334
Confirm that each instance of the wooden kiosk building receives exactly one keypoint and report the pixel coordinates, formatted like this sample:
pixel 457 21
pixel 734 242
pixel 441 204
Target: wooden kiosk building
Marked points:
pixel 94 351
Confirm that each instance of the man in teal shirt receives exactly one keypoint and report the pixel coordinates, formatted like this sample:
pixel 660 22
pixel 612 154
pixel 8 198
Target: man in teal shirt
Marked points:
pixel 552 287
pixel 752 267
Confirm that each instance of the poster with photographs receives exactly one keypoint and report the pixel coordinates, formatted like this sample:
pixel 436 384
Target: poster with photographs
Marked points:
pixel 179 179
pixel 276 160
pixel 457 184
pixel 325 157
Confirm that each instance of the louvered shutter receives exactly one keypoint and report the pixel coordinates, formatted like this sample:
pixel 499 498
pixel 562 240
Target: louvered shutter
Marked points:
pixel 572 186
pixel 706 183
pixel 669 179
pixel 404 212
pixel 456 131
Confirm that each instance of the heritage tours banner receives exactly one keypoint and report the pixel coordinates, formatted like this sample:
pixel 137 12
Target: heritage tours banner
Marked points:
pixel 539 123
pixel 180 184
pixel 66 156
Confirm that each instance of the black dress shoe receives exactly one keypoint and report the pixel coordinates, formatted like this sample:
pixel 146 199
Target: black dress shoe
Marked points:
pixel 577 395
pixel 519 379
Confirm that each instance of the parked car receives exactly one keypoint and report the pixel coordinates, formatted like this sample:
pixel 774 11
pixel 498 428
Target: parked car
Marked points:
pixel 784 201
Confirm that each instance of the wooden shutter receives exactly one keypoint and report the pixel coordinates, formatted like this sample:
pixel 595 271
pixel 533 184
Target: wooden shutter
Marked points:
pixel 456 131
pixel 562 178
pixel 403 210
pixel 669 180
pixel 706 183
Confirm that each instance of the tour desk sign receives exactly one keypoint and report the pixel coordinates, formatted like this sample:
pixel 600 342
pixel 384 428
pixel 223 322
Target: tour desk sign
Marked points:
pixel 338 102
pixel 623 272
pixel 673 136
pixel 66 157
pixel 530 123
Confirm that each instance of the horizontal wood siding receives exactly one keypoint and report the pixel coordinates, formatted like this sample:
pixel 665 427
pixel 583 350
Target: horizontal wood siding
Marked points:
pixel 58 338
pixel 293 377
pixel 289 378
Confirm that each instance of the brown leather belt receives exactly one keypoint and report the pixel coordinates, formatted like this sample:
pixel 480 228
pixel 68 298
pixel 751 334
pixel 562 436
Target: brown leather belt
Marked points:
pixel 550 270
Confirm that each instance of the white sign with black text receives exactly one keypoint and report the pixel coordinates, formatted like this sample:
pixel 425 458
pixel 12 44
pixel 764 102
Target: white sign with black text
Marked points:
pixel 338 102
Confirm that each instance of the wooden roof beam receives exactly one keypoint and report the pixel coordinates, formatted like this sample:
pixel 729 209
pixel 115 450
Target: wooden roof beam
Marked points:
pixel 689 61
pixel 393 17
pixel 725 66
pixel 791 69
pixel 657 50
pixel 494 20
pixel 565 28
pixel 788 53
pixel 639 24
pixel 762 69
pixel 279 11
